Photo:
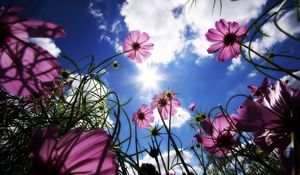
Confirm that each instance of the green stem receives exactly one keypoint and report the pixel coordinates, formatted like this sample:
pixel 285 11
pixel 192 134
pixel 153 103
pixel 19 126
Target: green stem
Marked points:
pixel 136 145
pixel 174 145
pixel 162 159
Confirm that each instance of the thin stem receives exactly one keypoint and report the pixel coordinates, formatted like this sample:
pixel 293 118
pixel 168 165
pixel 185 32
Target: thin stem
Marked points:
pixel 161 155
pixel 174 145
pixel 136 145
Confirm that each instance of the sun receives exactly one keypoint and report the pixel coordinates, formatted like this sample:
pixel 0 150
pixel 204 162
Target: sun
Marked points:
pixel 149 78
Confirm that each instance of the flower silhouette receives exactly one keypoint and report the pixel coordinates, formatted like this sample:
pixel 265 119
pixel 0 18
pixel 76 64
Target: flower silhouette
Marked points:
pixel 220 136
pixel 74 153
pixel 25 68
pixel 272 118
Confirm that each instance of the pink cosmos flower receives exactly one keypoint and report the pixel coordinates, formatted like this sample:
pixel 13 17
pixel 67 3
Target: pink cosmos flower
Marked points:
pixel 25 67
pixel 226 39
pixel 74 153
pixel 166 103
pixel 143 117
pixel 137 47
pixel 273 118
pixel 192 106
pixel 220 136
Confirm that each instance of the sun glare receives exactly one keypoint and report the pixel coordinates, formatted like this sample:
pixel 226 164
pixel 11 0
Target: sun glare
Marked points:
pixel 149 78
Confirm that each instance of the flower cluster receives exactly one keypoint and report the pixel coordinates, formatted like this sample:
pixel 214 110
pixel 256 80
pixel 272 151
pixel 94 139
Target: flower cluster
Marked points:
pixel 270 113
pixel 164 102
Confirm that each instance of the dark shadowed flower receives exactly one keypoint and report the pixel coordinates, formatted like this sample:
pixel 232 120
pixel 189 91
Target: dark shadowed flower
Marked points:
pixel 77 152
pixel 192 106
pixel 148 169
pixel 25 68
pixel 143 117
pixel 220 136
pixel 166 103
pixel 226 39
pixel 259 92
pixel 273 119
pixel 137 46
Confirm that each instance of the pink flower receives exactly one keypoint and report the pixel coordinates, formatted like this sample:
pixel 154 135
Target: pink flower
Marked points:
pixel 143 117
pixel 272 118
pixel 220 136
pixel 137 47
pixel 25 67
pixel 166 103
pixel 226 39
pixel 192 106
pixel 74 153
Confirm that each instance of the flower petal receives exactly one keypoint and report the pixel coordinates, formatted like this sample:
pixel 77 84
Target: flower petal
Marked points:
pixel 144 37
pixel 215 47
pixel 214 35
pixel 222 26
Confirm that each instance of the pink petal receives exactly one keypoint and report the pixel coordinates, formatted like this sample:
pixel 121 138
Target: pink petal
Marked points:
pixel 241 31
pixel 144 37
pixel 214 35
pixel 225 54
pixel 147 46
pixel 36 28
pixel 42 143
pixel 135 36
pixel 144 53
pixel 215 47
pixel 222 26
pixel 234 27
pixel 138 57
pixel 235 50
pixel 26 68
pixel 126 47
pixel 14 10
pixel 88 153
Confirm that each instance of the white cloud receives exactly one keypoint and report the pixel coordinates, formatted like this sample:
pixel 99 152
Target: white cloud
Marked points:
pixel 168 33
pixel 178 120
pixel 252 74
pixel 95 12
pixel 292 82
pixel 47 44
pixel 236 63
pixel 89 92
pixel 187 156
pixel 287 22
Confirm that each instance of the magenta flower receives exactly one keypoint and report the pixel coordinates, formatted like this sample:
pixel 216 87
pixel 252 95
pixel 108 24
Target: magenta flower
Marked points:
pixel 143 117
pixel 273 118
pixel 25 67
pixel 74 153
pixel 192 106
pixel 220 135
pixel 137 47
pixel 226 39
pixel 166 103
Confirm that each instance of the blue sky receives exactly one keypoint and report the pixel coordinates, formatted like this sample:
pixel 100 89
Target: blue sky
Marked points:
pixel 98 27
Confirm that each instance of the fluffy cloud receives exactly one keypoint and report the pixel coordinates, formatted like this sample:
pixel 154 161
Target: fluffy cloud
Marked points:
pixel 90 92
pixel 236 63
pixel 47 44
pixel 173 27
pixel 178 120
pixel 188 158
pixel 252 74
